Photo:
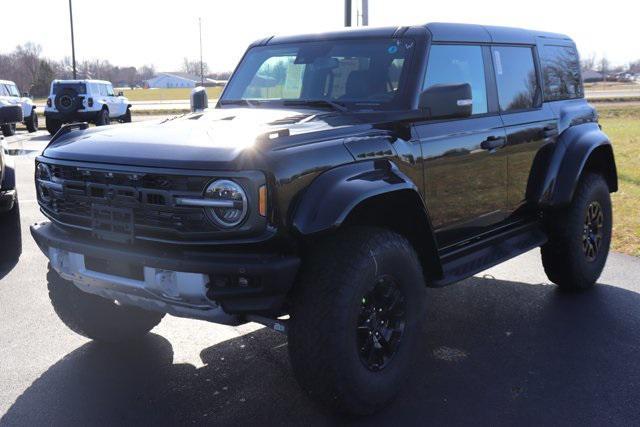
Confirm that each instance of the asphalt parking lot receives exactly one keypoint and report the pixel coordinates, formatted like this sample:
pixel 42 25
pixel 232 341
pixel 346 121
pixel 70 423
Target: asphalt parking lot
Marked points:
pixel 504 347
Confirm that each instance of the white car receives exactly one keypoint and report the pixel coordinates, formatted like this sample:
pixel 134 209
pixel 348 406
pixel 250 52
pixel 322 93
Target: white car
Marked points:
pixel 10 96
pixel 84 101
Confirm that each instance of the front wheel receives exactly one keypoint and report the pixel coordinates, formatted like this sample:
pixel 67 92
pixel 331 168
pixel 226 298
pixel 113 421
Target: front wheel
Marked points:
pixel 9 130
pixel 32 122
pixel 355 319
pixel 127 116
pixel 579 236
pixel 97 318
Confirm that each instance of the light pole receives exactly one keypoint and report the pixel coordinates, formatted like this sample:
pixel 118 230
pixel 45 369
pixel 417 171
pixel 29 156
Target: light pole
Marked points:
pixel 201 64
pixel 73 45
pixel 347 13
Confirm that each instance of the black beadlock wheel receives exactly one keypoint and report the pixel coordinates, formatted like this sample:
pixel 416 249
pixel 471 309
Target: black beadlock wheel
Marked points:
pixel 9 130
pixel 356 314
pixel 97 318
pixel 579 236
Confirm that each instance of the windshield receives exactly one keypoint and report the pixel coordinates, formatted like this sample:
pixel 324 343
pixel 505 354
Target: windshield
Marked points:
pixel 79 88
pixel 356 74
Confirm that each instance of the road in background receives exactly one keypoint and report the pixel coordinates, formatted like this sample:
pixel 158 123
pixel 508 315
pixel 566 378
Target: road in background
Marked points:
pixel 503 347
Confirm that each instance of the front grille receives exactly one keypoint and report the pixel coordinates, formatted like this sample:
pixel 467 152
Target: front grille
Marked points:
pixel 123 205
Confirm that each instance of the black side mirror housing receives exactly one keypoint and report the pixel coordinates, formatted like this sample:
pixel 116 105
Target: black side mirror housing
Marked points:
pixel 121 93
pixel 26 95
pixel 447 101
pixel 199 99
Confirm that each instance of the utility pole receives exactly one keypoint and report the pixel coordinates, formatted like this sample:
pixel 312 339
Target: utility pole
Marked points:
pixel 347 13
pixel 201 64
pixel 73 45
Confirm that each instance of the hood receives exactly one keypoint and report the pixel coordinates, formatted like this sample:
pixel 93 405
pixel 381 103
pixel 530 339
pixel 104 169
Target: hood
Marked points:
pixel 215 139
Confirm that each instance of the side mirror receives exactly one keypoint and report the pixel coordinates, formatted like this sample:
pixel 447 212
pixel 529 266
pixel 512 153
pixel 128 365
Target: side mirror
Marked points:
pixel 199 99
pixel 447 101
pixel 121 93
pixel 26 95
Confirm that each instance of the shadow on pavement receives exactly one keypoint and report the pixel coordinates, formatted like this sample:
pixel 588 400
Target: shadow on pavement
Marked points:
pixel 10 240
pixel 497 352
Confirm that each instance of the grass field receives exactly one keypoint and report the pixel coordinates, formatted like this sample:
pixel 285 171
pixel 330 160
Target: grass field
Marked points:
pixel 167 94
pixel 622 125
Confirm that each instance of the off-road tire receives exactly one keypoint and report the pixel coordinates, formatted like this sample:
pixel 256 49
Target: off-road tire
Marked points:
pixel 102 119
pixel 326 304
pixel 53 125
pixel 9 130
pixel 97 318
pixel 32 122
pixel 563 256
pixel 127 116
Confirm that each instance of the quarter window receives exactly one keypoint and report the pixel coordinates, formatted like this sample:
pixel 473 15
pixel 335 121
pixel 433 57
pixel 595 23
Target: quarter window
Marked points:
pixel 450 64
pixel 516 78
pixel 561 73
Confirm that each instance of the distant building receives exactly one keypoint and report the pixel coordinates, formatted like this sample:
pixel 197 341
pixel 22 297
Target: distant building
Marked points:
pixel 178 80
pixel 590 76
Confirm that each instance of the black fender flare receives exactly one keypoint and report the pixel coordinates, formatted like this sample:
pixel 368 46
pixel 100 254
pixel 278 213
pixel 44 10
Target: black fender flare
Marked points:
pixel 575 148
pixel 338 192
pixel 335 193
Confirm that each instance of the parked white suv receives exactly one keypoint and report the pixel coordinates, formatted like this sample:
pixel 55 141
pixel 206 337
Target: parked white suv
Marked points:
pixel 10 97
pixel 84 101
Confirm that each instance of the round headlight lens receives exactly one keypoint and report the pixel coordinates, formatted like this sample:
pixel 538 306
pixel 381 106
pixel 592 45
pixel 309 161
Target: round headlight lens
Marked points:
pixel 233 203
pixel 43 172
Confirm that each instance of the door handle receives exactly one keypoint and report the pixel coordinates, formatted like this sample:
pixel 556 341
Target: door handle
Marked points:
pixel 493 142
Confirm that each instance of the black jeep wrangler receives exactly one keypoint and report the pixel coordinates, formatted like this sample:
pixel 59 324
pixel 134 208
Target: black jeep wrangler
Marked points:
pixel 338 176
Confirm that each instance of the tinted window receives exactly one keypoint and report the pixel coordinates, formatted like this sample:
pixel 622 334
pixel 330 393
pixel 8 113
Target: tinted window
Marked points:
pixel 13 90
pixel 516 78
pixel 561 73
pixel 357 73
pixel 450 64
pixel 77 87
pixel 3 91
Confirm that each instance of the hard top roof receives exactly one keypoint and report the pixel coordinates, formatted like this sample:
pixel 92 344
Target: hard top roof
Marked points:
pixel 82 81
pixel 6 82
pixel 445 32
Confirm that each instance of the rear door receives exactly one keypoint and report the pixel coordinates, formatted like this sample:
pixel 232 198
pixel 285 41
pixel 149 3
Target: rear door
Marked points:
pixel 530 125
pixel 465 184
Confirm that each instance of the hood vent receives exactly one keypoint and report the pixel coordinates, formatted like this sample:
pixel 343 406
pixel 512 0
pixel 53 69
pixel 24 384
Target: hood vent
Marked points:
pixel 291 120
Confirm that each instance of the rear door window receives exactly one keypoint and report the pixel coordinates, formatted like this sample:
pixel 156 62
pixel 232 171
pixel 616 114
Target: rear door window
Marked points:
pixel 516 77
pixel 451 64
pixel 561 73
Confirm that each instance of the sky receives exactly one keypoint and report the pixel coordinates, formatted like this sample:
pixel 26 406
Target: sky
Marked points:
pixel 163 32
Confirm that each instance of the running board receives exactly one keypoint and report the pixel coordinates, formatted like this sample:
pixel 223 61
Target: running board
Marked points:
pixel 460 263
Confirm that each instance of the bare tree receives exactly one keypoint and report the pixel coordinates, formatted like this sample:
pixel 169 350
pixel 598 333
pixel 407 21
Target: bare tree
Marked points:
pixel 192 66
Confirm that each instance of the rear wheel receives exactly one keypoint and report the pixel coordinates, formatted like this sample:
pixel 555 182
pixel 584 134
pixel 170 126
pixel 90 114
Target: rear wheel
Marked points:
pixel 127 116
pixel 579 236
pixel 32 122
pixel 355 320
pixel 53 125
pixel 97 318
pixel 9 130
pixel 103 118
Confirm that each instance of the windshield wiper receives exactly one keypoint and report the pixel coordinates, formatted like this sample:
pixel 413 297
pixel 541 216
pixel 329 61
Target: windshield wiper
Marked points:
pixel 318 103
pixel 239 102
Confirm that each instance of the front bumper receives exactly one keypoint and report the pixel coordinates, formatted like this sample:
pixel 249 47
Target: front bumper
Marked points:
pixel 7 199
pixel 186 283
pixel 82 116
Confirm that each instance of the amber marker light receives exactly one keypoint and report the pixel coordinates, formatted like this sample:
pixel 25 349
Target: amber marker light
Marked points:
pixel 262 200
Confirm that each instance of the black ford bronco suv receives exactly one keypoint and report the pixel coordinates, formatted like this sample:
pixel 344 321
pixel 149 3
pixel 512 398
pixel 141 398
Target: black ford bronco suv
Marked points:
pixel 336 178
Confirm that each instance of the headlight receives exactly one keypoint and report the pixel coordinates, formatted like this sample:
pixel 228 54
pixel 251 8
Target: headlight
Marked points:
pixel 43 174
pixel 232 204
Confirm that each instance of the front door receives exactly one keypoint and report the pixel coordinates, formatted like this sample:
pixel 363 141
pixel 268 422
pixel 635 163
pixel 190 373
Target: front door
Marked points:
pixel 465 164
